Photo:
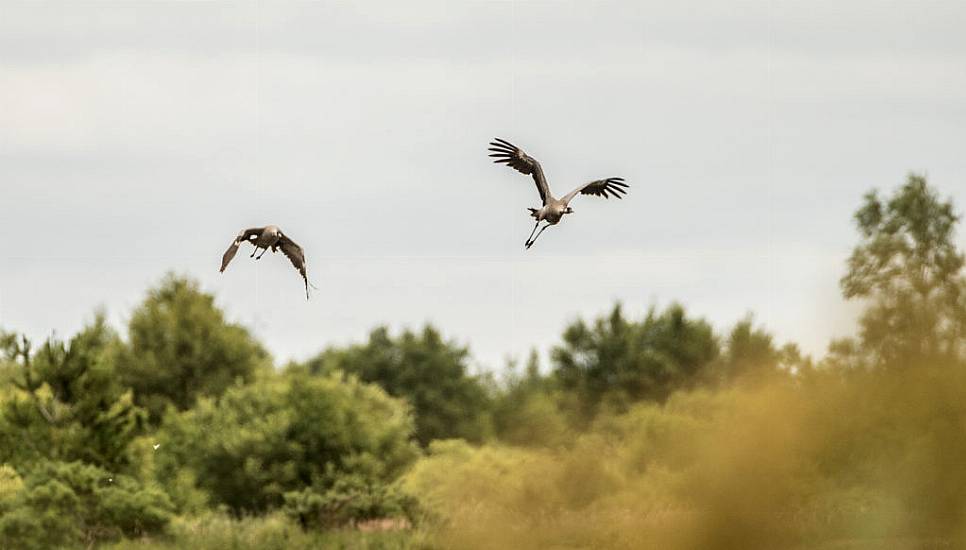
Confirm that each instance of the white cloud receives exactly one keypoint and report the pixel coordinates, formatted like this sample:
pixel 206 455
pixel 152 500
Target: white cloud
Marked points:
pixel 748 132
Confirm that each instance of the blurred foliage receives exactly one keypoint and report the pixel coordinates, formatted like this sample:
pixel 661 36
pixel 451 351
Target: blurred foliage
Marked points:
pixel 909 270
pixel 749 351
pixel 285 433
pixel 180 347
pixel 429 372
pixel 213 531
pixel 616 362
pixel 750 354
pixel 65 504
pixel 776 464
pixel 351 499
pixel 10 485
pixel 529 410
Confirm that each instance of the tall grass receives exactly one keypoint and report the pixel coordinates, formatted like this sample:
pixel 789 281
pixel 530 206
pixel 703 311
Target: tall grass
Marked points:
pixel 825 460
pixel 273 532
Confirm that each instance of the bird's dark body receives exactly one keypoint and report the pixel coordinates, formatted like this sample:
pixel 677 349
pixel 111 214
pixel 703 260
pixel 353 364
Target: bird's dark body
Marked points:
pixel 268 238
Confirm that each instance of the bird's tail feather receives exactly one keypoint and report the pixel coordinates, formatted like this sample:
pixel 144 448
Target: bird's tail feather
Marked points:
pixel 533 212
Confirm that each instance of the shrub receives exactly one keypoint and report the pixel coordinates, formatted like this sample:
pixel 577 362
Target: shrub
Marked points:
pixel 285 433
pixel 64 504
pixel 430 373
pixel 349 500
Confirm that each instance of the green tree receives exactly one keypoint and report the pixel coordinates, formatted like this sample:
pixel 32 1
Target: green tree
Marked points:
pixel 63 402
pixel 617 362
pixel 748 351
pixel 180 347
pixel 527 409
pixel 429 372
pixel 285 433
pixel 910 272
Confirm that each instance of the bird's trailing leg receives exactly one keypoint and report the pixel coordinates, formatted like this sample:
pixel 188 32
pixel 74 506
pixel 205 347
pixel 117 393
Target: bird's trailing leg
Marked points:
pixel 254 252
pixel 530 242
pixel 264 250
pixel 532 232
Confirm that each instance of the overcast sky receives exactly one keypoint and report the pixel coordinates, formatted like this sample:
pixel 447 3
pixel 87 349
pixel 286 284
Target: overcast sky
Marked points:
pixel 138 138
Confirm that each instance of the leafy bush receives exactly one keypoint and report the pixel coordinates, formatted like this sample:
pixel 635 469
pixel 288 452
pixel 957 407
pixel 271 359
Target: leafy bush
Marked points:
pixel 431 373
pixel 10 485
pixel 284 433
pixel 65 504
pixel 348 500
pixel 214 531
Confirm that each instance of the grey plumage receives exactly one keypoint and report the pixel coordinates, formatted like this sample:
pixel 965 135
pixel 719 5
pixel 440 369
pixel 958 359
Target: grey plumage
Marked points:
pixel 552 209
pixel 265 238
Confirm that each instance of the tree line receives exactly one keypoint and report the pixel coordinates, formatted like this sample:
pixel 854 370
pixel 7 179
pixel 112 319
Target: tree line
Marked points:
pixel 110 435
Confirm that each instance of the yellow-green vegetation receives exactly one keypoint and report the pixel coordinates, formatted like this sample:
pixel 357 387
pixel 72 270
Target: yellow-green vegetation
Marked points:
pixel 821 459
pixel 272 532
pixel 647 430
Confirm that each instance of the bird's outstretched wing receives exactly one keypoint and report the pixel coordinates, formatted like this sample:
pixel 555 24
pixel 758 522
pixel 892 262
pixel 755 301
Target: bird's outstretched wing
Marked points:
pixel 296 255
pixel 506 153
pixel 242 237
pixel 610 187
